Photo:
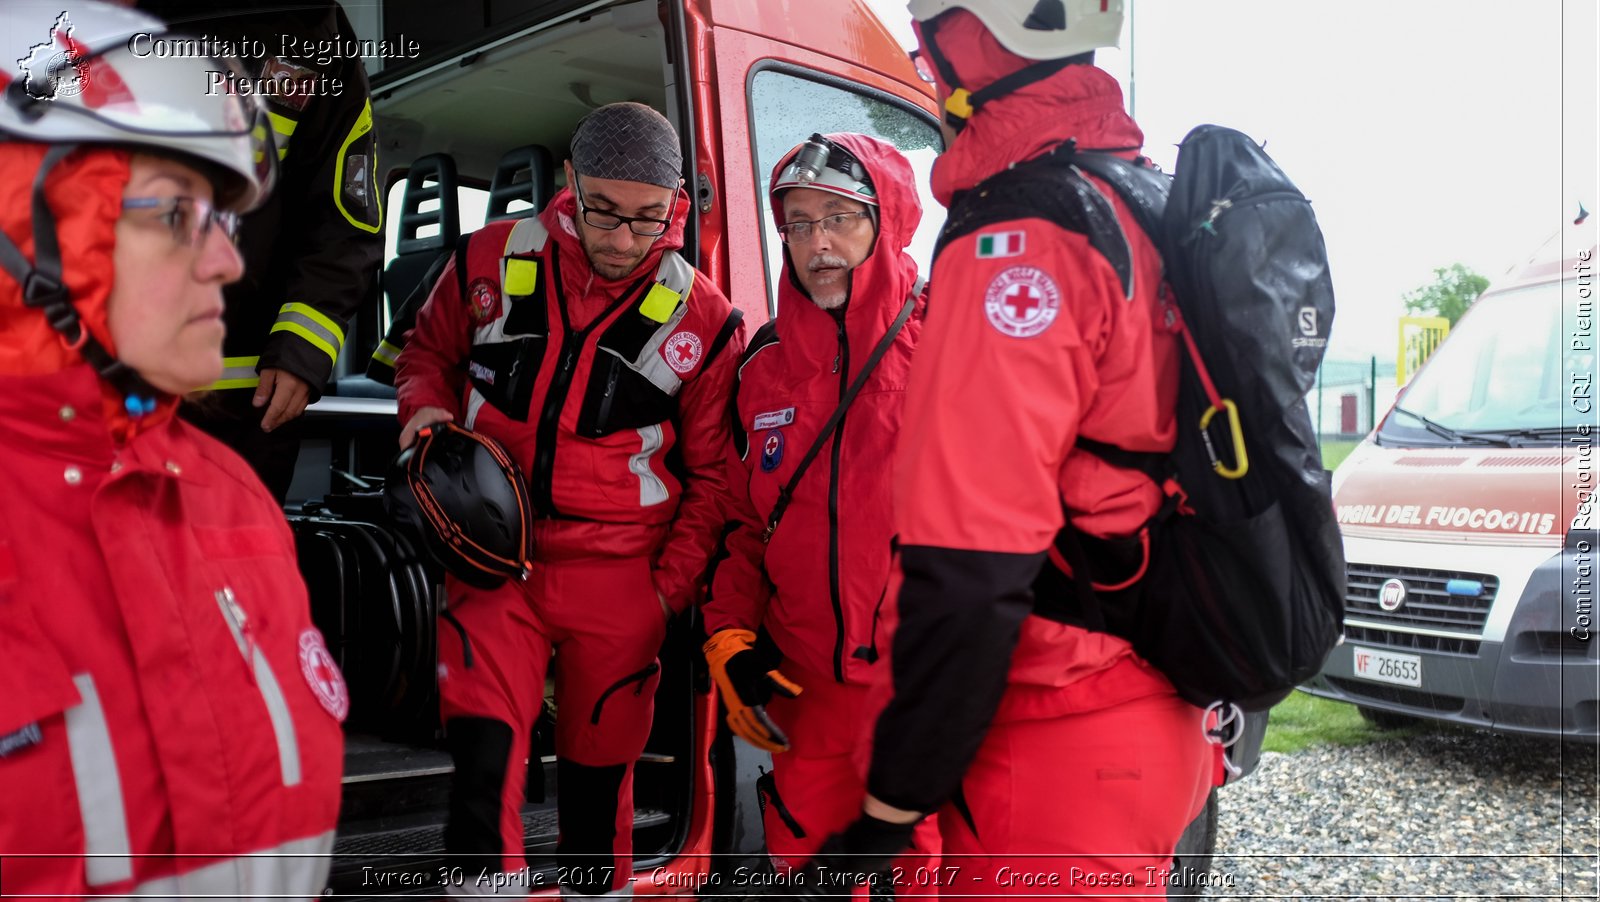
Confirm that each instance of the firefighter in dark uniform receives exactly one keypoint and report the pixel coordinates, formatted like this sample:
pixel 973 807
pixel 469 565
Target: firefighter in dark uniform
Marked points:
pixel 312 251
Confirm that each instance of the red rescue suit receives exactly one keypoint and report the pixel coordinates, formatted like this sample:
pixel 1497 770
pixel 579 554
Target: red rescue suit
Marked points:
pixel 590 384
pixel 1043 737
pixel 819 587
pixel 169 716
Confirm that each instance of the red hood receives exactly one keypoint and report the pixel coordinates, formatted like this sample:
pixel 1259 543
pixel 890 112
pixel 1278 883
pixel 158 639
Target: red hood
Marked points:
pixel 881 283
pixel 1080 101
pixel 85 194
pixel 558 219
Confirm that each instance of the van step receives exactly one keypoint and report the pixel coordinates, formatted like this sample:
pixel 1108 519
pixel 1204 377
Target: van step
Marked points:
pixel 368 760
pixel 538 828
pixel 420 850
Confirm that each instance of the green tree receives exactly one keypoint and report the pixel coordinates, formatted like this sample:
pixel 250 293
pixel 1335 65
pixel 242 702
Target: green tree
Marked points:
pixel 1452 291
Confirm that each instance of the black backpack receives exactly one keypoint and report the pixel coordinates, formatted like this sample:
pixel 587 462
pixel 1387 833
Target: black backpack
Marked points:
pixel 1243 580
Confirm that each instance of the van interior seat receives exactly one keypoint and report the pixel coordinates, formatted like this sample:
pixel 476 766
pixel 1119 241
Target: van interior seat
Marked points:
pixel 430 178
pixel 524 174
pixel 522 185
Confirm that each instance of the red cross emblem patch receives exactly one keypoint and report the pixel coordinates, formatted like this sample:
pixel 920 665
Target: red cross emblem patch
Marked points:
pixel 323 675
pixel 682 351
pixel 484 297
pixel 1022 301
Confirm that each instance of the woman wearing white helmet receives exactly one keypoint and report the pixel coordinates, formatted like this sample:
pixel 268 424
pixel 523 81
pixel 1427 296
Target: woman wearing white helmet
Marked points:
pixel 169 711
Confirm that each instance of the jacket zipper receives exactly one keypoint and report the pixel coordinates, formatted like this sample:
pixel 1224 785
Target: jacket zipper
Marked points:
pixel 605 400
pixel 541 482
pixel 843 361
pixel 640 677
pixel 266 683
pixel 869 652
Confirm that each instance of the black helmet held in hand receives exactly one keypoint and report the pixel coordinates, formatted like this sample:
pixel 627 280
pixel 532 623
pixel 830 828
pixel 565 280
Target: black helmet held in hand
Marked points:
pixel 459 496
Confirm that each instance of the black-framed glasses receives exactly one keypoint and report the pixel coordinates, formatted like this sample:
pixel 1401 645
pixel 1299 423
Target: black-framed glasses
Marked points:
pixel 189 218
pixel 644 226
pixel 923 65
pixel 801 229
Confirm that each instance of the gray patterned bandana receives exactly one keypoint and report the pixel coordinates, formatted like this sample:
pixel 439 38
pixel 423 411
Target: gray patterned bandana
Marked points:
pixel 628 142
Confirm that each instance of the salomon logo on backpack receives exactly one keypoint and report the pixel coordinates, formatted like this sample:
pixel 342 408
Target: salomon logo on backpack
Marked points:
pixel 1243 579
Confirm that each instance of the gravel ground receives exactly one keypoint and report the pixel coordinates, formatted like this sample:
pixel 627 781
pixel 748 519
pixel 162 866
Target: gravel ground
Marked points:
pixel 1447 814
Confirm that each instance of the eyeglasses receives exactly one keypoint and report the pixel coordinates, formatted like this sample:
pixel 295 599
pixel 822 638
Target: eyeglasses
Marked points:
pixel 923 65
pixel 639 225
pixel 800 230
pixel 189 218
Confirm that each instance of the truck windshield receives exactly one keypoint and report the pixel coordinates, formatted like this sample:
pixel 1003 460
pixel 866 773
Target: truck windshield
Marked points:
pixel 1500 377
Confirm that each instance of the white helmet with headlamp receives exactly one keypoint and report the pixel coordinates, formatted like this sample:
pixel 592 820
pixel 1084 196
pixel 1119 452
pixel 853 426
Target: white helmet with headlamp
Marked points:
pixel 826 166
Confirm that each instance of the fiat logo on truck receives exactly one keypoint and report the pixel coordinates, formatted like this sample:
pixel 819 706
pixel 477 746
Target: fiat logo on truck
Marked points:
pixel 1392 595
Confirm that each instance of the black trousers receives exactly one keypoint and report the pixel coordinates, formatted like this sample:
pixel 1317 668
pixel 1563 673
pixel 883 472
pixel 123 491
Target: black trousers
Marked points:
pixel 229 417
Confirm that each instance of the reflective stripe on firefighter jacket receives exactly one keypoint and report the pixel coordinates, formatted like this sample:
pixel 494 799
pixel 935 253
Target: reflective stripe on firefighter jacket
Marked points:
pixel 312 250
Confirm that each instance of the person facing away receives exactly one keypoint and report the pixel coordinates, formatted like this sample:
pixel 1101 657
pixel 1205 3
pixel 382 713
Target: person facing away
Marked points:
pixel 1044 747
pixel 592 351
pixel 169 722
pixel 846 207
pixel 313 250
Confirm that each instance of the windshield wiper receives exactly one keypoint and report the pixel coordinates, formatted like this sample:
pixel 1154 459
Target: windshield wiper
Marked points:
pixel 1528 432
pixel 1451 435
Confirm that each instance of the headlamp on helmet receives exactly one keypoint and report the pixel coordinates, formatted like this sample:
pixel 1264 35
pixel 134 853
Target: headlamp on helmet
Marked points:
pixel 827 166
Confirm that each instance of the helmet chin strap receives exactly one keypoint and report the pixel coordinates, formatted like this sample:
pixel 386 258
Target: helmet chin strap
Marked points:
pixel 961 104
pixel 44 289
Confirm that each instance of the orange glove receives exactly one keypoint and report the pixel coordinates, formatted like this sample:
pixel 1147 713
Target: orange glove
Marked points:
pixel 747 685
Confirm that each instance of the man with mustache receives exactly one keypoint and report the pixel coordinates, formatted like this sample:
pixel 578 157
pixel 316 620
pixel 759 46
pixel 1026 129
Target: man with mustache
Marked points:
pixel 849 308
pixel 584 344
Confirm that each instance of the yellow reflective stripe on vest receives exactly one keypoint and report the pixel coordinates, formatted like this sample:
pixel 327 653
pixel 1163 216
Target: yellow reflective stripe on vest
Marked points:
pixel 357 131
pixel 308 323
pixel 283 129
pixel 258 137
pixel 237 372
pixel 387 353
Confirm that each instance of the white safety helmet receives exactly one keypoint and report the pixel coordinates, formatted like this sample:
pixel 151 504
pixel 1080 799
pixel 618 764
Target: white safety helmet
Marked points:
pixel 826 166
pixel 82 72
pixel 1038 29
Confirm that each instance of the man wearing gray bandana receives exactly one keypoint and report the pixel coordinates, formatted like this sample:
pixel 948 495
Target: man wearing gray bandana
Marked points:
pixel 584 344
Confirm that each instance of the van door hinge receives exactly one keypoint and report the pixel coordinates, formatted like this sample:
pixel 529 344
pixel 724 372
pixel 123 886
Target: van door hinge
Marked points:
pixel 704 193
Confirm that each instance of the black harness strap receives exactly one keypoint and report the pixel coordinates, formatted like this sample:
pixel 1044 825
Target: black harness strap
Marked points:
pixel 838 413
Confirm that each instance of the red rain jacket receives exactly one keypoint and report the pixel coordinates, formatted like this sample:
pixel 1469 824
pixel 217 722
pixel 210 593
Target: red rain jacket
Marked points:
pixel 1031 343
pixel 591 428
pixel 820 586
pixel 163 692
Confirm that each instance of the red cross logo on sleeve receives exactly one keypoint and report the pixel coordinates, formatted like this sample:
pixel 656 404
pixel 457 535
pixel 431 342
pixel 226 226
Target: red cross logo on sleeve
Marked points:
pixel 322 675
pixel 1021 301
pixel 682 351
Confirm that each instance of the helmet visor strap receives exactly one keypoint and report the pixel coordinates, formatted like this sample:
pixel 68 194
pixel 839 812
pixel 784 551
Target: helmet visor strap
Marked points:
pixel 44 289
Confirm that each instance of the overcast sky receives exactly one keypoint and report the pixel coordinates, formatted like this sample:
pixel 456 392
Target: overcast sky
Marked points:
pixel 1442 131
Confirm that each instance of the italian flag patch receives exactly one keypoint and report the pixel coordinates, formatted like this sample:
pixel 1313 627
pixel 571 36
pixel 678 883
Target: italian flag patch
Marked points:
pixel 999 244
